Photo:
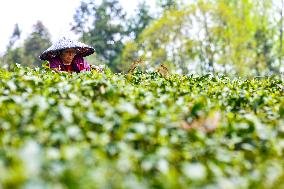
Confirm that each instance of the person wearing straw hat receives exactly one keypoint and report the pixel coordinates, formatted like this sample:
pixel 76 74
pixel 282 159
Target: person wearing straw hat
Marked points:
pixel 67 55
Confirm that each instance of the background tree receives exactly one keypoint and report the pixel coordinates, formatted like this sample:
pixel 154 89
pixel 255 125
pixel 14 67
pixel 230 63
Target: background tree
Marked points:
pixel 28 53
pixel 234 32
pixel 219 35
pixel 82 17
pixel 13 54
pixel 167 4
pixel 137 24
pixel 166 41
pixel 106 31
pixel 16 35
pixel 281 16
pixel 140 20
pixel 265 30
pixel 278 18
pixel 35 44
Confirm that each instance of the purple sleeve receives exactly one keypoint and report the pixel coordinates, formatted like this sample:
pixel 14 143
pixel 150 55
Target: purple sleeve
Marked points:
pixel 82 64
pixel 87 66
pixel 54 63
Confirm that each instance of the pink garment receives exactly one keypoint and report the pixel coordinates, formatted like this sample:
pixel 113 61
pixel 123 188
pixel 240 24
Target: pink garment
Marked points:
pixel 78 65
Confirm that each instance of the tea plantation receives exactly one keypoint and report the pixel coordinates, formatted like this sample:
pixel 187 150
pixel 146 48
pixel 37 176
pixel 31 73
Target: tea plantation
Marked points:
pixel 105 130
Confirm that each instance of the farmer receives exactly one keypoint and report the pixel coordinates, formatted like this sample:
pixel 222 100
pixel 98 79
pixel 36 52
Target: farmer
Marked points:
pixel 67 55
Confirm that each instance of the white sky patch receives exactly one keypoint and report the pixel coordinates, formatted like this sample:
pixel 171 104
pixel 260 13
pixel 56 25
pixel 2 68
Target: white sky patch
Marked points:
pixel 56 15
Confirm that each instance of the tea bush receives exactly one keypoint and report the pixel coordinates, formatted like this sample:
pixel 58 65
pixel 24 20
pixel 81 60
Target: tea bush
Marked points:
pixel 143 130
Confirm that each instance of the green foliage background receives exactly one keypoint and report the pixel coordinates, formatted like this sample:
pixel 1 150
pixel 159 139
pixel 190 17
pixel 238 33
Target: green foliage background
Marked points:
pixel 233 37
pixel 105 130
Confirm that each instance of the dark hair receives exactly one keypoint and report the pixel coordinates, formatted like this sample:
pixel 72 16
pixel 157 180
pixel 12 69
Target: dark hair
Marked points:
pixel 77 50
